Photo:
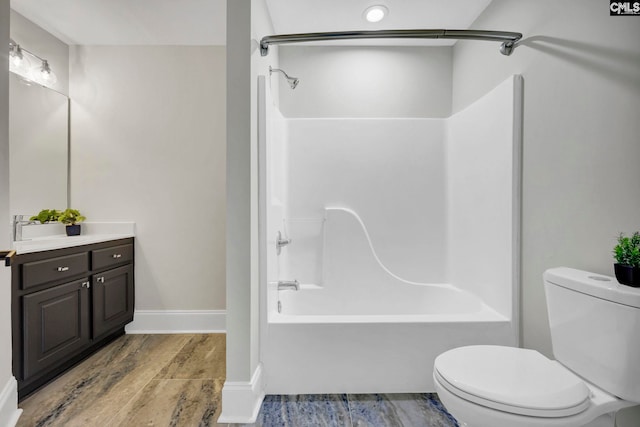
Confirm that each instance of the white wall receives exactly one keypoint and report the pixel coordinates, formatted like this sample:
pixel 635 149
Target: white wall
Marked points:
pixel 580 142
pixel 260 26
pixel 33 38
pixel 482 196
pixel 276 185
pixel 148 145
pixel 367 81
pixel 391 172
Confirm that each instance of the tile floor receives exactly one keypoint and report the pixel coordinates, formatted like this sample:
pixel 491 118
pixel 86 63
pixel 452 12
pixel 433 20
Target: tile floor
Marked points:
pixel 357 410
pixel 176 380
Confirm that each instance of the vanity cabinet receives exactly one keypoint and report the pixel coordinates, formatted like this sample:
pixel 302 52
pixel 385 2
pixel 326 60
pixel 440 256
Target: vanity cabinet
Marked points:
pixel 66 304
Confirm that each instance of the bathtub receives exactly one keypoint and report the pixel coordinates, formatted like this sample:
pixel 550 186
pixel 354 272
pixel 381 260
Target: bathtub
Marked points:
pixel 360 348
pixel 364 329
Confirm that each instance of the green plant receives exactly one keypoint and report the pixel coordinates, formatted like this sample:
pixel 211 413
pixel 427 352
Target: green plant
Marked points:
pixel 627 251
pixel 46 215
pixel 71 217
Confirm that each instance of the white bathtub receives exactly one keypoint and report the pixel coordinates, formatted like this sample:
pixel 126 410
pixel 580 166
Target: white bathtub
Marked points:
pixel 313 350
pixel 366 330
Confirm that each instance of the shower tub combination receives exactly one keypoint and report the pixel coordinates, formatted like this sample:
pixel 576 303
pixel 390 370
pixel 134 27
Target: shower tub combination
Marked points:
pixel 404 239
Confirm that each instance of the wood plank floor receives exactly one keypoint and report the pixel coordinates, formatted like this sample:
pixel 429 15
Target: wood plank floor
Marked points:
pixel 138 380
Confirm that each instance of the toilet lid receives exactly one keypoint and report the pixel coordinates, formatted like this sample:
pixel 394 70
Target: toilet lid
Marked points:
pixel 513 380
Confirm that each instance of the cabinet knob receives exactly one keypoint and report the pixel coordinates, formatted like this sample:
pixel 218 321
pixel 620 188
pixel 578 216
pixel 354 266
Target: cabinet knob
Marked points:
pixel 117 255
pixel 63 268
pixel 86 285
pixel 100 280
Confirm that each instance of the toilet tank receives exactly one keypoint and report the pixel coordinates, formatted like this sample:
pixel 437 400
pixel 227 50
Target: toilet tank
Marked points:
pixel 595 329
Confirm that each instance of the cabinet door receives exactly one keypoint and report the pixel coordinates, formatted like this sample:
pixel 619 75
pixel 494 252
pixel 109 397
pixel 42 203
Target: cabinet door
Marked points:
pixel 55 325
pixel 112 299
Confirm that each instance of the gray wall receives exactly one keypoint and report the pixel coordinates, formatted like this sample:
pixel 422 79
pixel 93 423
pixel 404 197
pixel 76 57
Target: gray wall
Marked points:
pixel 238 266
pixel 247 22
pixel 45 45
pixel 8 406
pixel 366 81
pixel 581 178
pixel 148 145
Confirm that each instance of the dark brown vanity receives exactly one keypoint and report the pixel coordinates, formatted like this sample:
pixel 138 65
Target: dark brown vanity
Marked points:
pixel 66 304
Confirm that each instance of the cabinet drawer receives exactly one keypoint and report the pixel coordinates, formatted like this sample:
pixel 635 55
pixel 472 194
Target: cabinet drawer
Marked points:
pixel 54 269
pixel 109 257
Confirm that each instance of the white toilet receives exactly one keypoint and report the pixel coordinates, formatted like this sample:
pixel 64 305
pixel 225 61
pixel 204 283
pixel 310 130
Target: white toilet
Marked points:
pixel 595 331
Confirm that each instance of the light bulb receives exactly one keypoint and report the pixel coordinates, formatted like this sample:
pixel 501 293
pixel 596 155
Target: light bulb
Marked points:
pixel 375 13
pixel 18 63
pixel 45 75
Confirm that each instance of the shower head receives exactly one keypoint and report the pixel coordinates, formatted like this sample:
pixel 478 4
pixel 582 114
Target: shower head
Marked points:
pixel 293 81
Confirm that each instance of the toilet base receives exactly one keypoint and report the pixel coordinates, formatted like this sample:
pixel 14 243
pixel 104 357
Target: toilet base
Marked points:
pixel 606 420
pixel 469 414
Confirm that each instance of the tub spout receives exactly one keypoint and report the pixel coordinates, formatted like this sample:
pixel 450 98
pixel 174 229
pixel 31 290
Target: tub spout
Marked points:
pixel 288 285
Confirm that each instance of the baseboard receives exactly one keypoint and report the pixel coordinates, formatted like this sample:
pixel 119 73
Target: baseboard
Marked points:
pixel 241 400
pixel 9 412
pixel 177 321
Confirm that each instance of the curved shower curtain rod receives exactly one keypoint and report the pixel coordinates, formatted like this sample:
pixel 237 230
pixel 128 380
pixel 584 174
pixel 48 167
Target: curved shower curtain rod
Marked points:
pixel 507 38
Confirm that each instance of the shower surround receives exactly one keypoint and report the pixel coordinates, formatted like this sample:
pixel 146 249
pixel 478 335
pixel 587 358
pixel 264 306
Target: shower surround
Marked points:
pixel 404 238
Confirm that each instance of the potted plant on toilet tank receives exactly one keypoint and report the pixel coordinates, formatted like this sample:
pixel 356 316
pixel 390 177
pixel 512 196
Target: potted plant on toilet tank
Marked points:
pixel 72 219
pixel 627 253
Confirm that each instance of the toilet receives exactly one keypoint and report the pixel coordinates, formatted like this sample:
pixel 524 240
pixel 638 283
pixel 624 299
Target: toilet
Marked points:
pixel 595 325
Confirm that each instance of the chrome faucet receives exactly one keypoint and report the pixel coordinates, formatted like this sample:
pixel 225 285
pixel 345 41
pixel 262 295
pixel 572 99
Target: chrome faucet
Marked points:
pixel 293 285
pixel 18 222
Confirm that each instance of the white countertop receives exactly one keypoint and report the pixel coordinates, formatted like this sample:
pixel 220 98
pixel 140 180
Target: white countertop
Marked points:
pixel 45 237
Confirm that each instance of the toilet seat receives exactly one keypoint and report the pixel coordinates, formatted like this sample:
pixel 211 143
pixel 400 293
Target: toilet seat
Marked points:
pixel 513 380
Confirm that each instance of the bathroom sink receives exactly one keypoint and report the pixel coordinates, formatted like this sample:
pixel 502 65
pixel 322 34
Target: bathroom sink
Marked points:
pixel 62 241
pixel 36 241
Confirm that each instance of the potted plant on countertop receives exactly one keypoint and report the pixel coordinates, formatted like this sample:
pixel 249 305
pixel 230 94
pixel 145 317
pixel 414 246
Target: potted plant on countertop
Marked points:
pixel 627 253
pixel 46 215
pixel 72 219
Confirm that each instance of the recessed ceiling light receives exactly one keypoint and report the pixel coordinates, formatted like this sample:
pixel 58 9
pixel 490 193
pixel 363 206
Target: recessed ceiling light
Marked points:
pixel 375 13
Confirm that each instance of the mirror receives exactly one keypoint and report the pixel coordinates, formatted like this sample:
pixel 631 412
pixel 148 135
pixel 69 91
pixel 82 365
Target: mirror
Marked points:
pixel 38 147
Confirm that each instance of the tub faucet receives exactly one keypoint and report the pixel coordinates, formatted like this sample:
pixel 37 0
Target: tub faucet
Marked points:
pixel 288 285
pixel 18 222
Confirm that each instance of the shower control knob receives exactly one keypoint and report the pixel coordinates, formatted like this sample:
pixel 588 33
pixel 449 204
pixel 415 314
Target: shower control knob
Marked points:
pixel 280 242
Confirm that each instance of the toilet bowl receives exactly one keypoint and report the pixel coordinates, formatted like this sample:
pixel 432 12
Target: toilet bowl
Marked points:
pixel 593 322
pixel 494 386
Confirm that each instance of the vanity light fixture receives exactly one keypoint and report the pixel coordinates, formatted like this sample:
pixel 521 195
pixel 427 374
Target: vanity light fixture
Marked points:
pixel 20 64
pixel 375 13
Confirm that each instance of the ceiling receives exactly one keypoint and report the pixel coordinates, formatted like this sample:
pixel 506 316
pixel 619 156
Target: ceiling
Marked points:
pixel 203 22
pixel 129 22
